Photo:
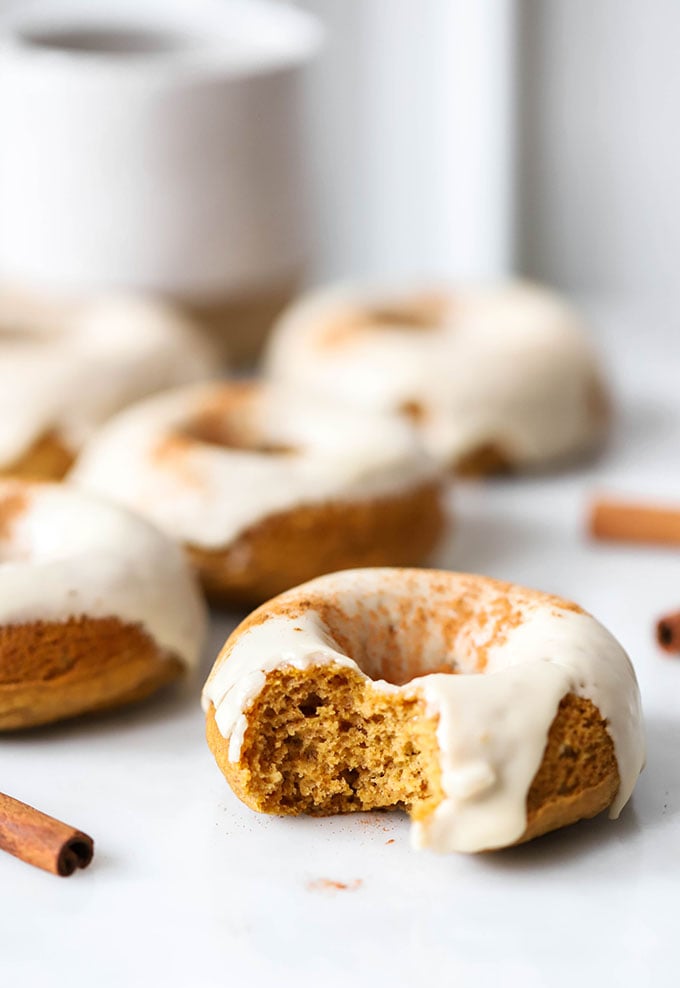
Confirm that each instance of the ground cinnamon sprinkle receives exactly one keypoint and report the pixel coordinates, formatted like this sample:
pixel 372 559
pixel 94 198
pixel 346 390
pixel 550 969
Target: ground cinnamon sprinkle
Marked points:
pixel 330 885
pixel 341 332
pixel 11 508
pixel 172 453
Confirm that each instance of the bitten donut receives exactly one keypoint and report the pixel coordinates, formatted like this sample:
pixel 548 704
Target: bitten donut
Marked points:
pixel 491 713
pixel 97 607
pixel 266 490
pixel 495 378
pixel 64 369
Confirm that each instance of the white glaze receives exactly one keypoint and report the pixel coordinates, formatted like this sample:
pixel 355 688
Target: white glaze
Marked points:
pixel 492 727
pixel 66 367
pixel 67 554
pixel 507 365
pixel 207 495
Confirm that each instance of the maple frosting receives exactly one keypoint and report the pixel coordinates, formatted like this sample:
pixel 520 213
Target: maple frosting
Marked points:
pixel 65 554
pixel 507 366
pixel 209 461
pixel 65 368
pixel 516 653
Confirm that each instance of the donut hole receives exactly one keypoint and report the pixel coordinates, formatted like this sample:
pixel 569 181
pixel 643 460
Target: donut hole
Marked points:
pixel 397 318
pixel 400 638
pixel 327 742
pixel 384 654
pixel 214 428
pixel 420 313
pixel 424 313
pixel 422 627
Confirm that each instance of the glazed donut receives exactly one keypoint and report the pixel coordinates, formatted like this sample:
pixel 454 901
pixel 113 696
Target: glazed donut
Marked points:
pixel 337 696
pixel 97 607
pixel 265 490
pixel 495 378
pixel 64 369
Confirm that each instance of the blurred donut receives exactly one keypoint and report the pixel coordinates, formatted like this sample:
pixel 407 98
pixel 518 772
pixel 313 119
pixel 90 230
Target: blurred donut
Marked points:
pixel 494 378
pixel 265 489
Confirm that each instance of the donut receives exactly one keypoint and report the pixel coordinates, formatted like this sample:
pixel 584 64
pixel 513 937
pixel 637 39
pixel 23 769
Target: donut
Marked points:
pixel 490 712
pixel 265 490
pixel 97 607
pixel 65 368
pixel 495 378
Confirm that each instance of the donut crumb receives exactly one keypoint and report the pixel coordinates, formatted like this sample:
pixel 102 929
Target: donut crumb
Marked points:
pixel 323 741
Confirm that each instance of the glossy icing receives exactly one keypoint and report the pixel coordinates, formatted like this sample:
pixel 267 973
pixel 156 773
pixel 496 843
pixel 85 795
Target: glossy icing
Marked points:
pixel 517 652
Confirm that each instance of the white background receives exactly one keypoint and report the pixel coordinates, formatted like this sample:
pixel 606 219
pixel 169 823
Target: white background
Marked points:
pixel 410 110
pixel 599 83
pixel 468 138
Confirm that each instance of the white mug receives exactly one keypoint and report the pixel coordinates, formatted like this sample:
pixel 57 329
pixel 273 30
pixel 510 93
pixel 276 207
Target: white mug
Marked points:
pixel 152 145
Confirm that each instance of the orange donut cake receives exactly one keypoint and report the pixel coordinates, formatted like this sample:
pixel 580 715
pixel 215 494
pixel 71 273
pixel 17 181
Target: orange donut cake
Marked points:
pixel 97 607
pixel 491 713
pixel 64 369
pixel 266 490
pixel 494 378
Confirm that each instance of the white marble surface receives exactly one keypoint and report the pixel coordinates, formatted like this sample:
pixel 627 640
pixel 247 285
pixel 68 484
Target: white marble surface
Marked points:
pixel 189 888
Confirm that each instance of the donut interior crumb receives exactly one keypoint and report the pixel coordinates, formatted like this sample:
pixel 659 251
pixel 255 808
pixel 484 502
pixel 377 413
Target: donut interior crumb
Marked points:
pixel 322 741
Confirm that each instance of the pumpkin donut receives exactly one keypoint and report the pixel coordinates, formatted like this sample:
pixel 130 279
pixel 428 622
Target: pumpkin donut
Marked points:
pixel 97 607
pixel 490 712
pixel 266 490
pixel 495 378
pixel 65 368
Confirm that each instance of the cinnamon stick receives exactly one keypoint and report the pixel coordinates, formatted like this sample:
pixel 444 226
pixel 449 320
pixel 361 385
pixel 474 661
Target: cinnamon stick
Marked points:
pixel 668 632
pixel 633 522
pixel 41 840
